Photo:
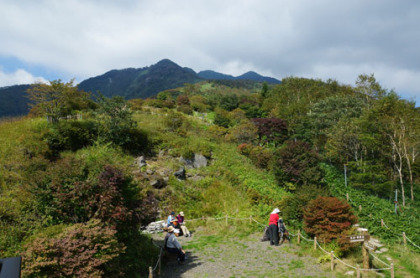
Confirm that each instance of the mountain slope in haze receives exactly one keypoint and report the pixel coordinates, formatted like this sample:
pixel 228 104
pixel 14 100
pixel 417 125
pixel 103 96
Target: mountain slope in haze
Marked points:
pixel 13 101
pixel 250 75
pixel 140 83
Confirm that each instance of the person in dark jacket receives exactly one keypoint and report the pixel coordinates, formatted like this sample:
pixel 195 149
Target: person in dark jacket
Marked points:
pixel 273 227
pixel 173 246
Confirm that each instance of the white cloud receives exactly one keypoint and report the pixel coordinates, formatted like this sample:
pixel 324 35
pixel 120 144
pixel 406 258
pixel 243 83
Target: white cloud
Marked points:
pixel 84 38
pixel 19 77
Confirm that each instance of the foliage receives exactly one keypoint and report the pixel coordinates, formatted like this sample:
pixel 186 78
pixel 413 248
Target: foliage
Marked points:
pixel 58 99
pixel 229 102
pixel 221 118
pixel 296 162
pixel 327 218
pixel 117 125
pixel 82 250
pixel 245 132
pixel 292 205
pixel 271 130
pixel 70 135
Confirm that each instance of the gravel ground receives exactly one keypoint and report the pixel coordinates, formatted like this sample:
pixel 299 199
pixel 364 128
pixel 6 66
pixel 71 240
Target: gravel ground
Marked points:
pixel 249 257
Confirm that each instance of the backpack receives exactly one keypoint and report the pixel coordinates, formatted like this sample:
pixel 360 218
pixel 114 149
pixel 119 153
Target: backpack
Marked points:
pixel 266 235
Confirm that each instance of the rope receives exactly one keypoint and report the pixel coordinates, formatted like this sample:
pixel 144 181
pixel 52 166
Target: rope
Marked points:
pixel 317 243
pixel 344 262
pixel 412 242
pixel 258 222
pixel 157 263
pixel 306 238
pixel 380 260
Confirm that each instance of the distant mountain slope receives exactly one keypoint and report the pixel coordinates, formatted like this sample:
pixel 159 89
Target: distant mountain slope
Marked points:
pixel 13 101
pixel 250 75
pixel 133 83
pixel 209 74
pixel 142 82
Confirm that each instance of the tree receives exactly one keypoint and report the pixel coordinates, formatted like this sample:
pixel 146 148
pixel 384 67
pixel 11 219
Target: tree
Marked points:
pixel 370 88
pixel 271 130
pixel 229 102
pixel 57 99
pixel 327 218
pixel 298 164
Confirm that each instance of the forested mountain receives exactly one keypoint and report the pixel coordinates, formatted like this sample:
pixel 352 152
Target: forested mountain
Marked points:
pixel 212 75
pixel 140 83
pixel 147 82
pixel 13 101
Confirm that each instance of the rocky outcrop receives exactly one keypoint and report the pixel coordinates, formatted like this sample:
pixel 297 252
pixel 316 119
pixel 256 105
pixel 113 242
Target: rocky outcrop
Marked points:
pixel 155 227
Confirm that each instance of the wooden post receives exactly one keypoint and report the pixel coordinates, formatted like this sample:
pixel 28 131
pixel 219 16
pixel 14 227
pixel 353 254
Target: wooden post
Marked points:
pixel 365 252
pixel 314 243
pixel 404 239
pixel 347 196
pixel 360 207
pixel 382 222
pixel 392 270
pixel 298 241
pixel 150 272
pixel 160 262
pixel 332 260
pixel 358 272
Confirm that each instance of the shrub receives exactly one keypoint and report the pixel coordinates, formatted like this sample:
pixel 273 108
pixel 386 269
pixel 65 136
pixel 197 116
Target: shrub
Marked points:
pixel 221 118
pixel 297 163
pixel 327 218
pixel 245 132
pixel 186 109
pixel 182 100
pixel 271 129
pixel 71 135
pixel 292 206
pixel 82 250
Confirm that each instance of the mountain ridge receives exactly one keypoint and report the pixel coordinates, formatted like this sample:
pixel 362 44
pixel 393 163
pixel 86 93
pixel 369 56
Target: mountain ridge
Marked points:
pixel 130 83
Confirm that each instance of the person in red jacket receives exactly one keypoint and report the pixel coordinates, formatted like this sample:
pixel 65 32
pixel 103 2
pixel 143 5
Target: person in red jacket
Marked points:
pixel 273 227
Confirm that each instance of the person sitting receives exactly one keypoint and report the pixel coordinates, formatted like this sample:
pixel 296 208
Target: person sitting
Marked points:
pixel 181 223
pixel 173 246
pixel 273 227
pixel 171 219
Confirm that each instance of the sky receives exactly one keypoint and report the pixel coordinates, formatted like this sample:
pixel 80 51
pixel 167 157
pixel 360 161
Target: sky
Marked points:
pixel 325 39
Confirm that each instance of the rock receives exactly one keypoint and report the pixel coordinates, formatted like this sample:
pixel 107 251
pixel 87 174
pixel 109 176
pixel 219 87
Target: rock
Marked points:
pixel 155 227
pixel 199 161
pixel 161 153
pixel 180 174
pixel 189 163
pixel 141 162
pixel 158 182
pixel 150 172
pixel 383 250
pixel 349 273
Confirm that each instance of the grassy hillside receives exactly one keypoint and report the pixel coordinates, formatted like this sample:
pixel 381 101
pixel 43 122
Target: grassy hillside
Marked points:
pixel 265 147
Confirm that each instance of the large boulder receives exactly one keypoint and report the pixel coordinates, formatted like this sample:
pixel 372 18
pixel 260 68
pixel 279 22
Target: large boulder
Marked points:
pixel 200 161
pixel 141 162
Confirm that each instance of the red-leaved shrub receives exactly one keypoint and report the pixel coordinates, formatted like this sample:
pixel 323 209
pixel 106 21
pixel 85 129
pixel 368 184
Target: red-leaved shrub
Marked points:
pixel 327 218
pixel 82 250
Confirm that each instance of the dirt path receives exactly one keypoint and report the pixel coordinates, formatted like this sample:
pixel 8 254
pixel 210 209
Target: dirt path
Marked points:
pixel 212 256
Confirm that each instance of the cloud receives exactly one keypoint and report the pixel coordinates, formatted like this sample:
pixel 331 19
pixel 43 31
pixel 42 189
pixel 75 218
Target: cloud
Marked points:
pixel 277 37
pixel 19 77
